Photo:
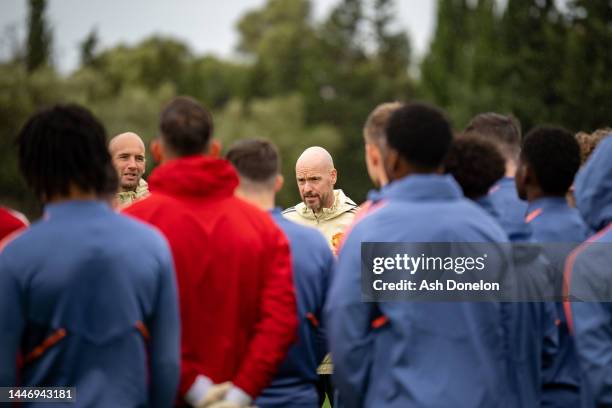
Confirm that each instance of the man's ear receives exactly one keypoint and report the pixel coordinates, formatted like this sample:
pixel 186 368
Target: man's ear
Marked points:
pixel 278 183
pixel 334 176
pixel 373 154
pixel 157 151
pixel 214 148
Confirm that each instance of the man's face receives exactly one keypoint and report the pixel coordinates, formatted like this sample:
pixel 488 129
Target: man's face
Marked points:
pixel 316 185
pixel 128 155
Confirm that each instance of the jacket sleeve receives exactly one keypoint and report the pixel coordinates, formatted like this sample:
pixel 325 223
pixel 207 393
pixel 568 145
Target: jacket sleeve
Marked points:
pixel 349 321
pixel 277 326
pixel 12 323
pixel 592 326
pixel 165 337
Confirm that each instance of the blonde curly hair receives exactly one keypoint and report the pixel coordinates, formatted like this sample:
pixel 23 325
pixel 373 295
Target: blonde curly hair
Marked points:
pixel 589 141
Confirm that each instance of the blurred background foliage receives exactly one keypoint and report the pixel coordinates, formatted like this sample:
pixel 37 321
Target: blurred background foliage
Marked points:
pixel 302 82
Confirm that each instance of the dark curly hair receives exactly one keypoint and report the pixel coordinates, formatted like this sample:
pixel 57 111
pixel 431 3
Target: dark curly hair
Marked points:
pixel 420 133
pixel 554 155
pixel 475 163
pixel 62 146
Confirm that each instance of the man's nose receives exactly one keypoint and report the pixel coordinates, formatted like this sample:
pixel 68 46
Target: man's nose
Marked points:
pixel 131 163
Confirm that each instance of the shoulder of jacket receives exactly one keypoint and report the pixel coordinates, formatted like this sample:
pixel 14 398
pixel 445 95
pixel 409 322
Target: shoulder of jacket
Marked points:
pixel 350 207
pixel 350 202
pixel 353 210
pixel 289 210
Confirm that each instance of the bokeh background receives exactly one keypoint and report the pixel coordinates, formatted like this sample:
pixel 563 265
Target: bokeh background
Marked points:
pixel 301 72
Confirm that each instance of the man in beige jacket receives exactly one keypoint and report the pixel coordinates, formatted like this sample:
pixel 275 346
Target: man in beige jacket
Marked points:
pixel 127 151
pixel 322 207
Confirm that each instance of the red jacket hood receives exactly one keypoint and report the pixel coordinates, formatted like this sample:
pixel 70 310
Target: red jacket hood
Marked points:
pixel 195 176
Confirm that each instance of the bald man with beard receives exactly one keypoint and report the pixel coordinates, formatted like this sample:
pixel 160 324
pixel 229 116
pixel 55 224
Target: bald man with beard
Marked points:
pixel 128 153
pixel 328 210
pixel 322 207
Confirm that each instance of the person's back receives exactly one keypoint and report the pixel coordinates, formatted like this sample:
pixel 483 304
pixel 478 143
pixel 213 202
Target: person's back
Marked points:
pixel 530 327
pixel 294 383
pixel 505 132
pixel 553 220
pixel 422 340
pixel 103 298
pixel 235 286
pixel 91 294
pixel 543 179
pixel 241 250
pixel 587 279
pixel 589 312
pixel 418 354
pixel 510 207
pixel 257 162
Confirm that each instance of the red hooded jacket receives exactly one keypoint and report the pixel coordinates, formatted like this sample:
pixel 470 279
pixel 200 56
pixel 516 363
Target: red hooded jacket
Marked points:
pixel 238 308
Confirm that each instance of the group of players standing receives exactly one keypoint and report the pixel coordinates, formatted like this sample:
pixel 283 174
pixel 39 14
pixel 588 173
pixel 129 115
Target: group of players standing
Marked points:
pixel 228 302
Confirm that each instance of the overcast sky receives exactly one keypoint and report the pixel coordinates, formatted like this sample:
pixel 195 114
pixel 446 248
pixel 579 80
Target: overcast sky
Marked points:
pixel 208 26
